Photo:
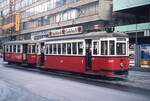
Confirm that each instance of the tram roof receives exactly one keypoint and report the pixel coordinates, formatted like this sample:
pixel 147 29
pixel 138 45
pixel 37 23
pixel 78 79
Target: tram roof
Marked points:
pixel 21 42
pixel 90 35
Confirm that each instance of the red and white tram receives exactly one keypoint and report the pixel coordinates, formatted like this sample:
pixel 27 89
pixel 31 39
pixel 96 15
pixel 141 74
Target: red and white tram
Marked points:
pixel 97 53
pixel 22 52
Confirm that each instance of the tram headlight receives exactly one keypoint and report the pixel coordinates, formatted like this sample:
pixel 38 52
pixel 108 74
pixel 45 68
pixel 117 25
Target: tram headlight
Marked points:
pixel 122 64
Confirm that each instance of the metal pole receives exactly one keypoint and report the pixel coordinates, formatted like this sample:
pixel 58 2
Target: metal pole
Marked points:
pixel 136 45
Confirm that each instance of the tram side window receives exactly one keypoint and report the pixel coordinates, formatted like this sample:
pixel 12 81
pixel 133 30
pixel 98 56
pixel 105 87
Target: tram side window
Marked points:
pixel 104 45
pixel 14 48
pixel 121 49
pixel 6 48
pixel 29 49
pixel 37 48
pixel 33 48
pixel 54 48
pixel 18 48
pixel 80 48
pixel 111 47
pixel 10 48
pixel 59 48
pixel 50 49
pixel 46 47
pixel 96 48
pixel 74 48
pixel 64 48
pixel 68 48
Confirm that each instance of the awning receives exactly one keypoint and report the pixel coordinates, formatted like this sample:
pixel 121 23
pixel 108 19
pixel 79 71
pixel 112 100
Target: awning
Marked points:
pixel 8 26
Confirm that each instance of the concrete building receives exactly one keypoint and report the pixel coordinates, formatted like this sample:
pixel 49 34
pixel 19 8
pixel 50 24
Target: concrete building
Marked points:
pixel 133 18
pixel 37 18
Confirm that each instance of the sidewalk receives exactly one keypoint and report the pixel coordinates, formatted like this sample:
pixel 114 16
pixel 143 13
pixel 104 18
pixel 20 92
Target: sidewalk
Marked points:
pixel 139 69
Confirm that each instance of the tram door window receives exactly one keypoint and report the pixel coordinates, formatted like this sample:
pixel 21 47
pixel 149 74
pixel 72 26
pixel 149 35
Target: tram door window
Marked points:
pixel 24 53
pixel 88 53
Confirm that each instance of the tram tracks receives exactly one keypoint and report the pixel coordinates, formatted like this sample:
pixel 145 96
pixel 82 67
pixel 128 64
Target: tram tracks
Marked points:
pixel 113 82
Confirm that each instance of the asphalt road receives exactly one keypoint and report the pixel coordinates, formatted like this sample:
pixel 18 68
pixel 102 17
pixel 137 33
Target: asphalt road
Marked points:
pixel 20 85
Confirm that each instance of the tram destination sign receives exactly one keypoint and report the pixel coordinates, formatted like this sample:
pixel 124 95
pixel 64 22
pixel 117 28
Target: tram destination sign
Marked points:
pixel 66 31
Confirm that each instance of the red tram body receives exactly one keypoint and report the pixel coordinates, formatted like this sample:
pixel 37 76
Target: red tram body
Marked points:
pixel 97 53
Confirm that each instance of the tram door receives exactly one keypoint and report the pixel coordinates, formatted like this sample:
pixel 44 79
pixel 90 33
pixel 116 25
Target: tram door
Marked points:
pixel 24 53
pixel 88 53
pixel 42 55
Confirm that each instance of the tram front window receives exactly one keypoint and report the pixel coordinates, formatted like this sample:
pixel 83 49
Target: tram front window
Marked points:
pixel 121 49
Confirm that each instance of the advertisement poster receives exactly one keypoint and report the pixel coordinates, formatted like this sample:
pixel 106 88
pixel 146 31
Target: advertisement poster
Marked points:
pixel 145 55
pixel 131 55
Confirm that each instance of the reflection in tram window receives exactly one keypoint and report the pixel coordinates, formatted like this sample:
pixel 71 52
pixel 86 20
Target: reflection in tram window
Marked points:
pixel 68 48
pixel 64 48
pixel 111 47
pixel 74 48
pixel 96 48
pixel 59 48
pixel 50 49
pixel 80 48
pixel 121 49
pixel 104 45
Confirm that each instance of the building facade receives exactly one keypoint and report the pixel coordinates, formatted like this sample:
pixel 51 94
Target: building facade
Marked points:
pixel 133 18
pixel 26 19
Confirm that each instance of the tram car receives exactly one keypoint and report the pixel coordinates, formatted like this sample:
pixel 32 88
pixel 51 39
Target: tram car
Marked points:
pixel 96 53
pixel 20 52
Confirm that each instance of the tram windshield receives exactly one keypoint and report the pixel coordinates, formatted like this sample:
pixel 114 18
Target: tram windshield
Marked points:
pixel 110 47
